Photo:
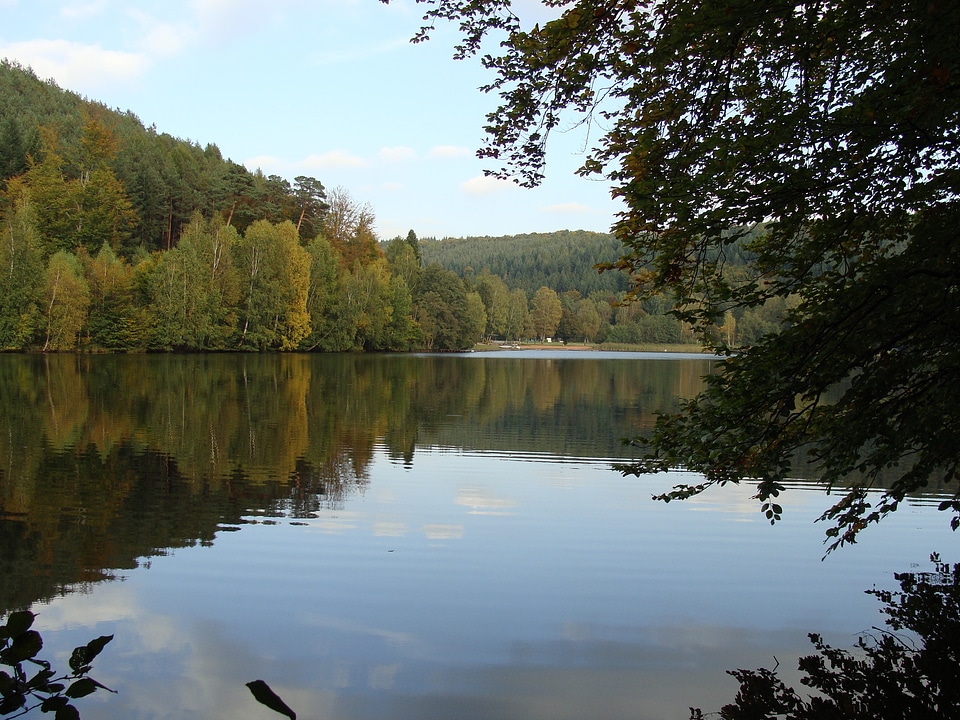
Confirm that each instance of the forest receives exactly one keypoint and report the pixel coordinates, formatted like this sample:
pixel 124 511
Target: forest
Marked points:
pixel 117 237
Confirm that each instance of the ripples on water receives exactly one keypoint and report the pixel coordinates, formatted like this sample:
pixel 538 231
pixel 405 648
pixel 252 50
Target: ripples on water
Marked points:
pixel 394 538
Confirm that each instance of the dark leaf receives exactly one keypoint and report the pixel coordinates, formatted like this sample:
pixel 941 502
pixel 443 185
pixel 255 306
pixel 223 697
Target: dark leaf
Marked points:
pixel 67 712
pixel 83 687
pixel 265 696
pixel 22 648
pixel 52 688
pixel 84 655
pixel 12 702
pixel 6 684
pixel 19 622
pixel 53 704
pixel 40 679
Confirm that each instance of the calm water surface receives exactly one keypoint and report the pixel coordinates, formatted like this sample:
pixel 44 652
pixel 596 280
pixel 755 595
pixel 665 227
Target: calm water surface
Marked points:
pixel 403 537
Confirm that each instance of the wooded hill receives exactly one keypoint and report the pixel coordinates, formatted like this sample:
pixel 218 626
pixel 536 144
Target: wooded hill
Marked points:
pixel 115 236
pixel 159 180
pixel 563 260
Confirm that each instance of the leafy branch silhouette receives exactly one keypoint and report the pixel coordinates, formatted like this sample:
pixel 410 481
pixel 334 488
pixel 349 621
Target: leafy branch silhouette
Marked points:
pixel 32 683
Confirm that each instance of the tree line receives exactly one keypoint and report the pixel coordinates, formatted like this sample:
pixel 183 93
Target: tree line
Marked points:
pixel 114 237
pixel 593 307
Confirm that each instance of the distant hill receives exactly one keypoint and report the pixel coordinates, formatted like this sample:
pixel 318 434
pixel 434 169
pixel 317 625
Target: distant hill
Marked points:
pixel 165 179
pixel 561 260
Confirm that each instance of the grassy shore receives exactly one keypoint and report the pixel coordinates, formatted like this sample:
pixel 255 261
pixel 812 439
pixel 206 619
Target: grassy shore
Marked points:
pixel 618 347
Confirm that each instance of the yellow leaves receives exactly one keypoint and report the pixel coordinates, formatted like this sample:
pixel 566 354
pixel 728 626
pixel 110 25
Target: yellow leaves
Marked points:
pixel 98 142
pixel 67 298
pixel 296 324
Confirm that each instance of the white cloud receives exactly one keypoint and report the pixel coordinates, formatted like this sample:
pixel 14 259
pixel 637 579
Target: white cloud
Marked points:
pixel 74 65
pixel 485 185
pixel 333 160
pixel 265 162
pixel 392 186
pixel 389 528
pixel 226 20
pixel 437 531
pixel 383 677
pixel 481 502
pixel 446 152
pixel 397 154
pixel 114 602
pixel 570 208
pixel 165 39
pixel 78 12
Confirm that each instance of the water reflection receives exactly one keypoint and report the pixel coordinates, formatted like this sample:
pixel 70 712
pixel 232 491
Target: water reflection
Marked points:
pixel 107 459
pixel 576 597
pixel 402 537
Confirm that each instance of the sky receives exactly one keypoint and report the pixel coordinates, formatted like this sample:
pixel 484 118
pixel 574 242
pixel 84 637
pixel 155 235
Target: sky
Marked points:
pixel 332 89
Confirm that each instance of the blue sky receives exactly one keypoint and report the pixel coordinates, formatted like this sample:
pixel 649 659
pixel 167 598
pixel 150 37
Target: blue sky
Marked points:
pixel 331 89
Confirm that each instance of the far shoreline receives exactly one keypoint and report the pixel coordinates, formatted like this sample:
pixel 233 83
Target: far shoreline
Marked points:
pixel 605 347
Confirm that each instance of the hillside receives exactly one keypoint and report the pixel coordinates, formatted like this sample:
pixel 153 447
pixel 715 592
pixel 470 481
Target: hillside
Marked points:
pixel 562 261
pixel 163 180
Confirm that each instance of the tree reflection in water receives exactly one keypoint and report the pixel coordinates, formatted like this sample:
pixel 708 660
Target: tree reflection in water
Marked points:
pixel 110 460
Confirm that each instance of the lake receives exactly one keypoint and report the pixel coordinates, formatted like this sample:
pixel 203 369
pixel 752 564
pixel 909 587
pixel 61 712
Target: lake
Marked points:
pixel 405 536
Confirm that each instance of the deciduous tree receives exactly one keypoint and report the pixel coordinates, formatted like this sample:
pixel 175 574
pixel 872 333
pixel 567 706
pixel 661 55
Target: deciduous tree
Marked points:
pixel 441 311
pixel 404 261
pixel 66 300
pixel 589 319
pixel 516 314
pixel 112 322
pixel 496 298
pixel 348 226
pixel 545 313
pixel 327 332
pixel 274 276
